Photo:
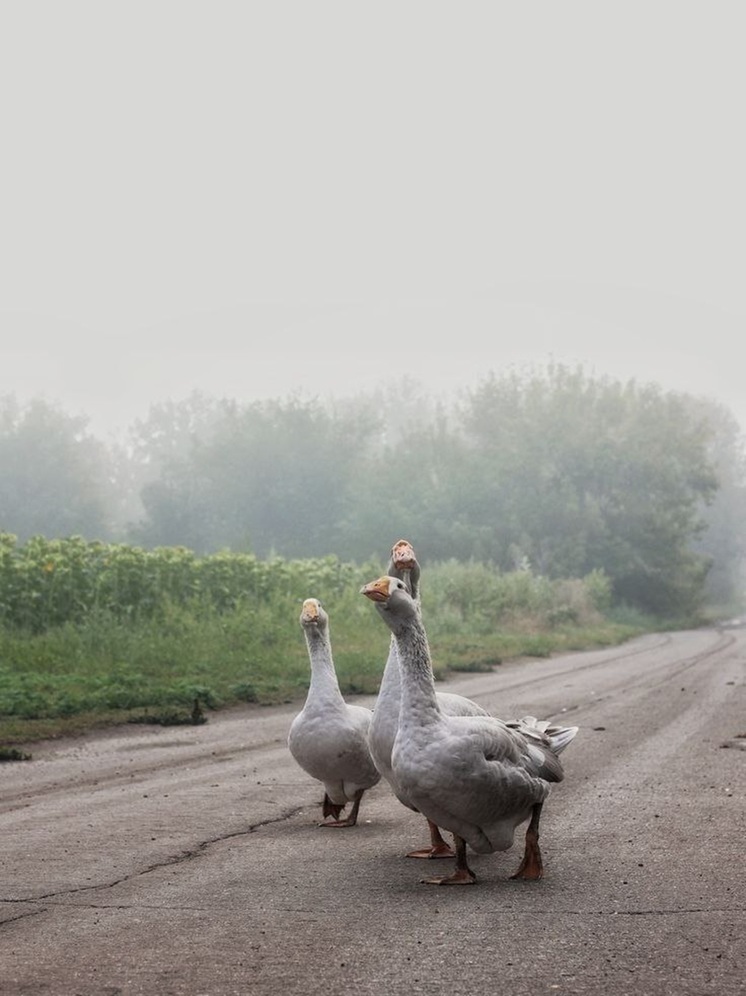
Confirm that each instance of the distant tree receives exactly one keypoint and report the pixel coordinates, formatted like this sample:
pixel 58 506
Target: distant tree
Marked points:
pixel 590 473
pixel 167 501
pixel 55 478
pixel 723 540
pixel 555 470
pixel 412 485
pixel 171 429
pixel 270 477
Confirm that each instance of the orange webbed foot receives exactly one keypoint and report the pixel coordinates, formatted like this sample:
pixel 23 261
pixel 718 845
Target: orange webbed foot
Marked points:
pixel 436 851
pixel 462 873
pixel 462 876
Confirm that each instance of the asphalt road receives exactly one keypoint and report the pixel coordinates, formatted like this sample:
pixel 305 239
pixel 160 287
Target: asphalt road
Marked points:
pixel 187 860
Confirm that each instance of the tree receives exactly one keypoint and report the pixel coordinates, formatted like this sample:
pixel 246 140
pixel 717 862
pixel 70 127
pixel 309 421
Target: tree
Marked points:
pixel 270 477
pixel 408 487
pixel 55 477
pixel 173 502
pixel 592 474
pixel 723 541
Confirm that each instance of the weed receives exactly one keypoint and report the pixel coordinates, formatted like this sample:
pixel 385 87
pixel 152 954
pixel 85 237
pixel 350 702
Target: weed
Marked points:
pixel 13 754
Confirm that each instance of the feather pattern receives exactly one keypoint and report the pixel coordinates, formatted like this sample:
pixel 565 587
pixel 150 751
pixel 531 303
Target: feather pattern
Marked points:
pixel 403 564
pixel 477 776
pixel 329 736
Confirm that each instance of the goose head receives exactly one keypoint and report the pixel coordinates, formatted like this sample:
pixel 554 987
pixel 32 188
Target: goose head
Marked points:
pixel 312 616
pixel 403 564
pixel 392 599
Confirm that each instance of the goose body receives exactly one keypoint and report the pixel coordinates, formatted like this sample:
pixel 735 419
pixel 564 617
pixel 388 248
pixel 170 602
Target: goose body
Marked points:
pixel 476 776
pixel 384 725
pixel 329 736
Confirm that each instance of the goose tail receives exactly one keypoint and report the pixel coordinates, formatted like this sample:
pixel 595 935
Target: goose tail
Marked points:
pixel 558 736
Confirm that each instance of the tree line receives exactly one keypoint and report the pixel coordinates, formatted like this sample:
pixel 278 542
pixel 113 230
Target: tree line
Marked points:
pixel 556 470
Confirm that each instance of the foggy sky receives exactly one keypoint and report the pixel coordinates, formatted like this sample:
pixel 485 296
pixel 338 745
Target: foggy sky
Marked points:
pixel 255 198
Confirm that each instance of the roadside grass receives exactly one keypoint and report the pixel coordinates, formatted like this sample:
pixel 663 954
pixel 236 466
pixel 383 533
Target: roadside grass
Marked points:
pixel 121 674
pixel 191 655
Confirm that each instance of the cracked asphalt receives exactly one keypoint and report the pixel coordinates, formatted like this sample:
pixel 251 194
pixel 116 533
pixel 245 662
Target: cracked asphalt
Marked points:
pixel 187 861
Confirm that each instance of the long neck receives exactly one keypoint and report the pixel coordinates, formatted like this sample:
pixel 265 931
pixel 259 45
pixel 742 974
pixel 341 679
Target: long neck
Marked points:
pixel 390 690
pixel 324 684
pixel 419 704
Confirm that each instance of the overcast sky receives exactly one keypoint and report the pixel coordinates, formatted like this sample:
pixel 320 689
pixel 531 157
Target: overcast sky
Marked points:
pixel 263 198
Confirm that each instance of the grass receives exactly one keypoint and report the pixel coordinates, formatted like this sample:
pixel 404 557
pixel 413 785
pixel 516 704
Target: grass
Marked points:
pixel 66 683
pixel 191 659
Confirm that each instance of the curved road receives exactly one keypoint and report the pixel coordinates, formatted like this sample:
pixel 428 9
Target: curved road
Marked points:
pixel 187 860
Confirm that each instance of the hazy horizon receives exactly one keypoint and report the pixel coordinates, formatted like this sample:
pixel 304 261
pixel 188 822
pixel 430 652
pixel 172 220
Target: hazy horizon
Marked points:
pixel 258 200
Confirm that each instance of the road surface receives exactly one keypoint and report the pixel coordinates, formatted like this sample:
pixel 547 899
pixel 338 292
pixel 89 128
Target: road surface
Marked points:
pixel 186 861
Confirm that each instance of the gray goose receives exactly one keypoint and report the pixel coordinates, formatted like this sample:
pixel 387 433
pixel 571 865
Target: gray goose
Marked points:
pixel 328 737
pixel 382 733
pixel 476 776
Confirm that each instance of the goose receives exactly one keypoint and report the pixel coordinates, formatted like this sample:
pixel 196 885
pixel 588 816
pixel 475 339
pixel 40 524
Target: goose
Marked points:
pixel 476 776
pixel 328 737
pixel 404 565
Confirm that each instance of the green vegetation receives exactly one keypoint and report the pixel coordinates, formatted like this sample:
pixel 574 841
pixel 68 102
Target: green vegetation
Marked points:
pixel 182 635
pixel 13 754
pixel 551 511
pixel 562 471
pixel 195 717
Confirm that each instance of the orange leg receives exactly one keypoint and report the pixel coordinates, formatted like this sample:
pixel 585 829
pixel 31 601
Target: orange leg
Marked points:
pixel 462 874
pixel 531 867
pixel 438 847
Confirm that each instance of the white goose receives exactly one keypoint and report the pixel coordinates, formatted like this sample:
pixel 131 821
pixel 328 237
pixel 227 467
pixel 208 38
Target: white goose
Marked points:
pixel 476 776
pixel 328 737
pixel 404 565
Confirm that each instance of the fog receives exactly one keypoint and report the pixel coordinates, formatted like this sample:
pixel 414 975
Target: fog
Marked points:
pixel 256 199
